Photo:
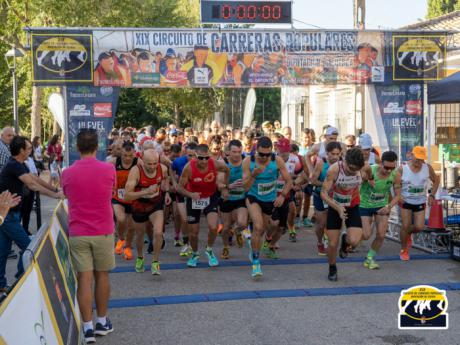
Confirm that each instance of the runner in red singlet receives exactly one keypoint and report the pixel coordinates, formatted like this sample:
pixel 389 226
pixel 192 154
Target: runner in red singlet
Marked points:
pixel 198 183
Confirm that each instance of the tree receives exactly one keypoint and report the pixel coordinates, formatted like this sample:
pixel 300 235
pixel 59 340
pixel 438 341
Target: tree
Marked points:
pixel 438 8
pixel 268 105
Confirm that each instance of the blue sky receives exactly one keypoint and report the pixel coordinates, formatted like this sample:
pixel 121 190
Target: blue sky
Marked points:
pixel 338 14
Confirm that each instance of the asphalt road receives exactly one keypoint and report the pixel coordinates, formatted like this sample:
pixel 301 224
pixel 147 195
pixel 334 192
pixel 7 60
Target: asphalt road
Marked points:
pixel 293 303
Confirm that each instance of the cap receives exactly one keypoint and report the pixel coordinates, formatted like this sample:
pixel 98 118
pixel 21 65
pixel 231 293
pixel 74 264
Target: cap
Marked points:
pixel 365 141
pixel 266 124
pixel 283 145
pixel 419 152
pixel 332 131
pixel 173 131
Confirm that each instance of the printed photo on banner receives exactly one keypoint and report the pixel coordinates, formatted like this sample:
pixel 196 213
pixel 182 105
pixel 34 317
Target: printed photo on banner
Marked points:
pixel 243 58
pixel 419 57
pixel 62 58
pixel 59 299
pixel 27 304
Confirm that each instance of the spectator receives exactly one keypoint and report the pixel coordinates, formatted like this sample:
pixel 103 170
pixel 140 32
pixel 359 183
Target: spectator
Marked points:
pixel 88 185
pixel 37 153
pixel 29 196
pixel 14 176
pixel 5 141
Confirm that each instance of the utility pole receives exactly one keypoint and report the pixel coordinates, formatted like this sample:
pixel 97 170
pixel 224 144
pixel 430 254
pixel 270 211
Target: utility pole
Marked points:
pixel 359 23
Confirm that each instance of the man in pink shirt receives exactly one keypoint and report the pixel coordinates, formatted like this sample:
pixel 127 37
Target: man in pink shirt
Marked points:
pixel 88 185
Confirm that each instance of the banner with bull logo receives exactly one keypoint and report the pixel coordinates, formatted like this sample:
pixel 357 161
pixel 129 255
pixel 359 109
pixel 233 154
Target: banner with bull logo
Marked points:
pixel 418 57
pixel 62 58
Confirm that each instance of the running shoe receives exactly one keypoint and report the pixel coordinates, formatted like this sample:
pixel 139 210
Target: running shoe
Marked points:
pixel 101 329
pixel 178 243
pixel 343 253
pixel 239 240
pixel 89 336
pixel 371 264
pixel 404 255
pixel 307 222
pixel 298 223
pixel 119 247
pixel 332 276
pixel 225 254
pixel 128 253
pixel 186 250
pixel 193 261
pixel 155 268
pixel 212 260
pixel 246 233
pixel 140 265
pixel 256 269
pixel 321 250
pixel 265 248
pixel 292 236
pixel 150 248
pixel 272 254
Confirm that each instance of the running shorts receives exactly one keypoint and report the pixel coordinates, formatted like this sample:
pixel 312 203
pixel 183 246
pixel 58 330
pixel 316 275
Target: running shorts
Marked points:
pixel 334 222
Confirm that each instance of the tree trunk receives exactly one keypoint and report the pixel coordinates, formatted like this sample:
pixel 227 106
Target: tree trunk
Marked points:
pixel 36 119
pixel 176 115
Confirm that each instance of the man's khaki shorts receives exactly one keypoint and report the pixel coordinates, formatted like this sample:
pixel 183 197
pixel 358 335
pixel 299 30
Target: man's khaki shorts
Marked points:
pixel 92 253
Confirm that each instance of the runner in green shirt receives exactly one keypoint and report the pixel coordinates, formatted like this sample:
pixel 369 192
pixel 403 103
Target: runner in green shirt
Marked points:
pixel 376 204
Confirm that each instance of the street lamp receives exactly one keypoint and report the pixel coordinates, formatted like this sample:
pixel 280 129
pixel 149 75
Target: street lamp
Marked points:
pixel 10 58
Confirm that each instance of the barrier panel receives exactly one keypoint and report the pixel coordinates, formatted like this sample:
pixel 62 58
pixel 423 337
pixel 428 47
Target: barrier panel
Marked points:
pixel 42 308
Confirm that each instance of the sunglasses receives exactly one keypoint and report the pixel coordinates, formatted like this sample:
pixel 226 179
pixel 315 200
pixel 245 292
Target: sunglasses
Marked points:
pixel 387 168
pixel 264 154
pixel 202 158
pixel 350 146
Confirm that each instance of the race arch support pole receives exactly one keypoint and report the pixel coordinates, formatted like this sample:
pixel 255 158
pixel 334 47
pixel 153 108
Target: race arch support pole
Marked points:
pixel 66 128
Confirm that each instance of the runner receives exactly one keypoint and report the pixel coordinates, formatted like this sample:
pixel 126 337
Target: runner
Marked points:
pixel 416 175
pixel 308 141
pixel 234 209
pixel 121 207
pixel 198 183
pixel 375 202
pixel 319 150
pixel 340 191
pixel 333 154
pixel 148 188
pixel 178 199
pixel 370 154
pixel 260 173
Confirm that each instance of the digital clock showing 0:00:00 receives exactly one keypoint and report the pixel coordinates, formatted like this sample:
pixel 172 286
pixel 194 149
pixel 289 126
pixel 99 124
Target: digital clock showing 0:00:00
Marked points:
pixel 268 12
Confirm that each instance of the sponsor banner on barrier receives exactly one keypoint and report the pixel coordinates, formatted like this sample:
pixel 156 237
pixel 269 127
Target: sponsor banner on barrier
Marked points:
pixel 58 295
pixel 243 58
pixel 401 109
pixel 26 306
pixel 91 107
pixel 62 57
pixel 418 57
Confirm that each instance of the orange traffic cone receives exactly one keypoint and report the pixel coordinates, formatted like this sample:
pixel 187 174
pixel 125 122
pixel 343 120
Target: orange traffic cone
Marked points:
pixel 436 219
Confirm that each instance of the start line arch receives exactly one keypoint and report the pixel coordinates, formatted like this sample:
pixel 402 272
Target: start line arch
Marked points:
pixel 93 63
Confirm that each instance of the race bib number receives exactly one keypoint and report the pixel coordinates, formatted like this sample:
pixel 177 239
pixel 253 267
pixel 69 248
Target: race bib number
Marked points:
pixel 280 186
pixel 265 188
pixel 236 192
pixel 121 193
pixel 200 204
pixel 416 190
pixel 153 195
pixel 341 199
pixel 377 197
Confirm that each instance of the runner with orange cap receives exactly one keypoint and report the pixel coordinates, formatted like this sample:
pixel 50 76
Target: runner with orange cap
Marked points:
pixel 416 175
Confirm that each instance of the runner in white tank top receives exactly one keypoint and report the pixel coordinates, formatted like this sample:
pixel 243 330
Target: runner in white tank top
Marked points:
pixel 416 175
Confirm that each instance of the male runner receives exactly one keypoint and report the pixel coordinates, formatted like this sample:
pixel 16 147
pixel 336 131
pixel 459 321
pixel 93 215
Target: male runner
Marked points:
pixel 340 191
pixel 416 175
pixel 234 209
pixel 178 199
pixel 148 188
pixel 333 154
pixel 319 149
pixel 121 207
pixel 260 173
pixel 375 204
pixel 198 183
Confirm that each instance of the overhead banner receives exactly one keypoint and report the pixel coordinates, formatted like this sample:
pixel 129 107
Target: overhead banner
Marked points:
pixel 94 108
pixel 243 58
pixel 401 110
pixel 62 57
pixel 419 57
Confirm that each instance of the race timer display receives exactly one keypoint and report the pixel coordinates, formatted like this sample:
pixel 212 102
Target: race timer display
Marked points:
pixel 255 12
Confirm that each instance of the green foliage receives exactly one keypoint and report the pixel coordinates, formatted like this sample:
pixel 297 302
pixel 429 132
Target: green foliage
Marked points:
pixel 438 8
pixel 268 105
